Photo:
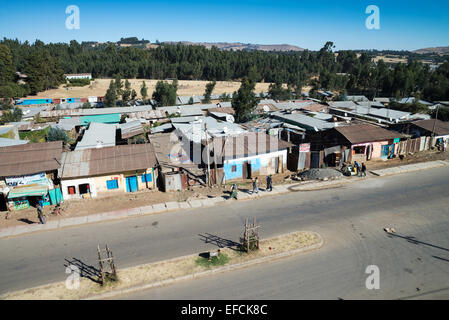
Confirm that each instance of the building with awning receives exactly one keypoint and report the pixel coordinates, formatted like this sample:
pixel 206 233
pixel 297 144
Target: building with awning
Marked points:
pixel 28 173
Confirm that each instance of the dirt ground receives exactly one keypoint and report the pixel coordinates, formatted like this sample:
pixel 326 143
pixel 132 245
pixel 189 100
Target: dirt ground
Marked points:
pixel 168 269
pixel 430 155
pixel 82 207
pixel 98 87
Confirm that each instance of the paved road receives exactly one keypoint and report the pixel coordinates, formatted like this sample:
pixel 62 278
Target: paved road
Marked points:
pixel 350 219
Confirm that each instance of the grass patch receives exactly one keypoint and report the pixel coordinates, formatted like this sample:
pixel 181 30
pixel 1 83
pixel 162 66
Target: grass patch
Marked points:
pixel 8 135
pixel 214 261
pixel 34 136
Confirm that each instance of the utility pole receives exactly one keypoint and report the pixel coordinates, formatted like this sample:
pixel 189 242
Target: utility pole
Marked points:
pixel 208 156
pixel 215 163
pixel 434 122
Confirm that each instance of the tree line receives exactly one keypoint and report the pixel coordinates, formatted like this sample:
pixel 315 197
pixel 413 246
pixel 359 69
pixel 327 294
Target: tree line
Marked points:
pixel 348 72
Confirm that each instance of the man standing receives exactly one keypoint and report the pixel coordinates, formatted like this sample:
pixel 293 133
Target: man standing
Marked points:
pixel 255 187
pixel 40 213
pixel 269 183
pixel 363 172
pixel 357 167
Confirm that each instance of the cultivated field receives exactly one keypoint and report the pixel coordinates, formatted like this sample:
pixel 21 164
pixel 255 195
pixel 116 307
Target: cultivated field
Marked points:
pixel 396 59
pixel 98 87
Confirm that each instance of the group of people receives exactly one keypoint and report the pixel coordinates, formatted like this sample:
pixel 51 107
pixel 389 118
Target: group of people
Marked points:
pixel 255 186
pixel 361 169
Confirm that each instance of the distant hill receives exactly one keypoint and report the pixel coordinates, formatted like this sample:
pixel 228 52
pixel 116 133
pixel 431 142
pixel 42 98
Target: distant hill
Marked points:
pixel 236 46
pixel 440 50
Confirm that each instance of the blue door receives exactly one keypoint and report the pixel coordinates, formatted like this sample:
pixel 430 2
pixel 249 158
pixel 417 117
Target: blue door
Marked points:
pixel 131 184
pixel 387 151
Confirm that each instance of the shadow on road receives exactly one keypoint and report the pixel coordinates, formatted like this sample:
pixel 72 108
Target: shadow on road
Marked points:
pixel 415 241
pixel 219 242
pixel 85 270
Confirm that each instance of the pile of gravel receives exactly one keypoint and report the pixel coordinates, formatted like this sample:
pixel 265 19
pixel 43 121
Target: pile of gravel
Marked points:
pixel 320 174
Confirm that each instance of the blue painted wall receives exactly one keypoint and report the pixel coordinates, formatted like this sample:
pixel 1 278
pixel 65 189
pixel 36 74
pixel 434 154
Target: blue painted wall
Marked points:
pixel 229 175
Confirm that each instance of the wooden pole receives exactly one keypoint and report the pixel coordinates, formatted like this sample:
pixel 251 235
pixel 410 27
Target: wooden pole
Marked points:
pixel 208 156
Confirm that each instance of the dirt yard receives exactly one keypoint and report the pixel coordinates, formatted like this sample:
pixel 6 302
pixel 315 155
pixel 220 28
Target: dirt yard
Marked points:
pixel 430 155
pixel 98 87
pixel 168 269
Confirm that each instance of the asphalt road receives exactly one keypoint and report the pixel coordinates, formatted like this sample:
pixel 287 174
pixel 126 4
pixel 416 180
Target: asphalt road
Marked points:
pixel 349 218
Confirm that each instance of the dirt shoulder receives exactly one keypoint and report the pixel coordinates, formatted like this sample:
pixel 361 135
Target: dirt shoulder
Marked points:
pixel 175 269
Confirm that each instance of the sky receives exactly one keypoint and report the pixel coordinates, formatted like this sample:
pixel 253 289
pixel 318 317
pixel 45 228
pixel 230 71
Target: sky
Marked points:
pixel 404 25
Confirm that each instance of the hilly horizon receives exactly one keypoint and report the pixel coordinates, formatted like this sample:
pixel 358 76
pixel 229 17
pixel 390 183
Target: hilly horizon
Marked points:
pixel 440 50
pixel 241 46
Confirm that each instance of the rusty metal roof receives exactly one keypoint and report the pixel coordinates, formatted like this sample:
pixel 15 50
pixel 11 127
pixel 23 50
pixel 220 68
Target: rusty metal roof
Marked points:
pixel 439 127
pixel 106 160
pixel 30 158
pixel 366 133
pixel 248 144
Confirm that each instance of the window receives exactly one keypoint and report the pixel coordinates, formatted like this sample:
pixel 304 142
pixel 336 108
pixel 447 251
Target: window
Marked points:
pixel 84 188
pixel 147 178
pixel 71 190
pixel 112 184
pixel 359 150
pixel 234 168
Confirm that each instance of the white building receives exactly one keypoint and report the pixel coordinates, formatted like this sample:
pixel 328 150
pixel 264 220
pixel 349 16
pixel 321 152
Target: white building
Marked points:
pixel 78 76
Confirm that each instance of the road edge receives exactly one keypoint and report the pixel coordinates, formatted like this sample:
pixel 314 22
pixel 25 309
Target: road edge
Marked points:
pixel 197 275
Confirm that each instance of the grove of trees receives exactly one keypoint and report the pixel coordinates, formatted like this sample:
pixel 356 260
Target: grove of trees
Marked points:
pixel 45 64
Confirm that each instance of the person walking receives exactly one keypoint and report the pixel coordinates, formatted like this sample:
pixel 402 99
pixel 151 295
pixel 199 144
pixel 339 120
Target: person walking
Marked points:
pixel 269 183
pixel 40 212
pixel 363 172
pixel 233 192
pixel 255 187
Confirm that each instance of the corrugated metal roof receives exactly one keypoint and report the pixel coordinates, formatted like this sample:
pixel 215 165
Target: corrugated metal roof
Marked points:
pixel 28 190
pixel 342 104
pixel 5 142
pixel 376 104
pixel 191 111
pixel 107 160
pixel 248 144
pixel 439 127
pixel 366 133
pixel 357 98
pixel 98 134
pixel 97 111
pixel 101 118
pixel 68 124
pixel 130 129
pixel 30 158
pixel 304 121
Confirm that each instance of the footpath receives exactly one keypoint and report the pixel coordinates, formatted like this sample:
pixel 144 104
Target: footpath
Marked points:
pixel 208 202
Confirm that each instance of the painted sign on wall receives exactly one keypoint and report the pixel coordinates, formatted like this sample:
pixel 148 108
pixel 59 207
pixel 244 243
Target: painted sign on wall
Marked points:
pixel 304 147
pixel 24 180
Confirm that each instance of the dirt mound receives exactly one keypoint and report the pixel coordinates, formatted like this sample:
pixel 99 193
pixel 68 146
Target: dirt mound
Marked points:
pixel 320 174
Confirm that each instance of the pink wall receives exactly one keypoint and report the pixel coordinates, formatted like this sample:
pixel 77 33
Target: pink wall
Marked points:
pixel 377 147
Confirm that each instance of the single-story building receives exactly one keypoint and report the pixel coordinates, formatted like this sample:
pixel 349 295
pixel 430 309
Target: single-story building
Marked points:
pixel 108 170
pixel 359 142
pixel 28 174
pixel 71 76
pixel 247 155
pixel 426 128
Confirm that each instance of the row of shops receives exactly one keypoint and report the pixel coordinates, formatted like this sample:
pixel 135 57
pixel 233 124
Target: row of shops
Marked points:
pixel 37 172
